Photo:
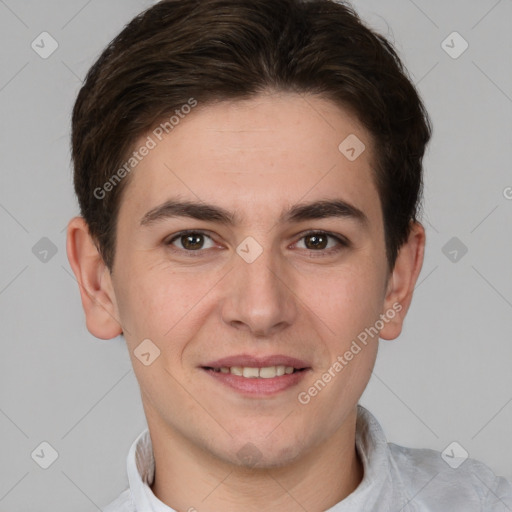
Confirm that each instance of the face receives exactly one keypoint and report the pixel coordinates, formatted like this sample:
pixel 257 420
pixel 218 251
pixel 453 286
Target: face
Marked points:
pixel 264 285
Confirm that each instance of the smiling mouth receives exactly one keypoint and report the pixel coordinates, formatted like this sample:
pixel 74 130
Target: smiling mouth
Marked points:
pixel 268 372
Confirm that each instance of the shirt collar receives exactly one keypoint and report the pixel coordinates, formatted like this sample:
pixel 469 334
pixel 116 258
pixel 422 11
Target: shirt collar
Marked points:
pixel 371 445
pixel 375 492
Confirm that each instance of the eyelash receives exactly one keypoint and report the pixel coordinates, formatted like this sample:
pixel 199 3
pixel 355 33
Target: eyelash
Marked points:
pixel 343 243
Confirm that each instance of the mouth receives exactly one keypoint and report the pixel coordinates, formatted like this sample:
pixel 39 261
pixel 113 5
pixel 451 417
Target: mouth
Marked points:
pixel 248 372
pixel 255 377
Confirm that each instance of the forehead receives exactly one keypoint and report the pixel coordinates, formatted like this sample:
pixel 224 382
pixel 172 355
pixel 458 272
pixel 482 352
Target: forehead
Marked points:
pixel 255 156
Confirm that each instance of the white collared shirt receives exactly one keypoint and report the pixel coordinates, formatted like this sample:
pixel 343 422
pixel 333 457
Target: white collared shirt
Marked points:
pixel 396 479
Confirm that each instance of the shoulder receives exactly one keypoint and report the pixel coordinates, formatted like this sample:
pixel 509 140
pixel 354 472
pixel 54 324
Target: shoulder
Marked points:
pixel 123 503
pixel 432 482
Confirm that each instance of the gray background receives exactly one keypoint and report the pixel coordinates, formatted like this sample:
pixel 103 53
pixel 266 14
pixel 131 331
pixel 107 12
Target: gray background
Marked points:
pixel 447 378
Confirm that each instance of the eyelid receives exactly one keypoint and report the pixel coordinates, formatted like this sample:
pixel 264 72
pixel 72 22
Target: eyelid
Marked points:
pixel 342 241
pixel 169 241
pixel 340 238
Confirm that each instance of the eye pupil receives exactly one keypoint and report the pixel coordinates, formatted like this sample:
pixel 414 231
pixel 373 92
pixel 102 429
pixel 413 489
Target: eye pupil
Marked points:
pixel 193 241
pixel 320 241
pixel 193 245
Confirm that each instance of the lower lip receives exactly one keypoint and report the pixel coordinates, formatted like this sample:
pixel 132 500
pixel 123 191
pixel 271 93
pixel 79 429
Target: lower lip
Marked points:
pixel 258 386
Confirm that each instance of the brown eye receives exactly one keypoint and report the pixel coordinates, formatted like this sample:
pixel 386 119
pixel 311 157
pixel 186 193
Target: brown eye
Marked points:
pixel 316 241
pixel 192 241
pixel 189 241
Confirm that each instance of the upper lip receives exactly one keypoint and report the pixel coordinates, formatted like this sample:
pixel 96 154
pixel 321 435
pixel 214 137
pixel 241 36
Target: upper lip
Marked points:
pixel 246 360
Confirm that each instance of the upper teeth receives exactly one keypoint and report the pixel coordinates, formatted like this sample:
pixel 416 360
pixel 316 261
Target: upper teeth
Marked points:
pixel 265 373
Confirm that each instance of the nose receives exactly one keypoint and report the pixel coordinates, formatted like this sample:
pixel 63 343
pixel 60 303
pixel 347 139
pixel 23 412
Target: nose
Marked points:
pixel 258 295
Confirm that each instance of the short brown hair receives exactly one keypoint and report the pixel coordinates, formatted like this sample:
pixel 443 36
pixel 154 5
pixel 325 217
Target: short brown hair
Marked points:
pixel 215 50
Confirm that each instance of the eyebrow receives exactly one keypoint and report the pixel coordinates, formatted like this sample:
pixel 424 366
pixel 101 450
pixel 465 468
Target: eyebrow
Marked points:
pixel 208 212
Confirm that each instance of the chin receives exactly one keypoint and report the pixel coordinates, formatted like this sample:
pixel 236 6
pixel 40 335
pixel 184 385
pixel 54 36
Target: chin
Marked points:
pixel 260 452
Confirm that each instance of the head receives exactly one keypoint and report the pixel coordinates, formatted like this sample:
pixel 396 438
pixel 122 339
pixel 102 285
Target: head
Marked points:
pixel 251 110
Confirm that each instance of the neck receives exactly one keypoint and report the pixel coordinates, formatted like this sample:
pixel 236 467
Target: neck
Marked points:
pixel 188 478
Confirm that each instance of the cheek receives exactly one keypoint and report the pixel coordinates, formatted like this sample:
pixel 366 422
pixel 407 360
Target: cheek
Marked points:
pixel 347 299
pixel 156 304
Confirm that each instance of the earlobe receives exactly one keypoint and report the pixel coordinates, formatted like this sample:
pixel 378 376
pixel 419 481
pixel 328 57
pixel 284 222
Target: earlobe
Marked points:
pixel 94 281
pixel 402 281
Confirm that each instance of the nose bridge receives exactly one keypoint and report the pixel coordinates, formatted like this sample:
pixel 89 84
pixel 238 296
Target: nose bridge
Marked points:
pixel 258 294
pixel 260 268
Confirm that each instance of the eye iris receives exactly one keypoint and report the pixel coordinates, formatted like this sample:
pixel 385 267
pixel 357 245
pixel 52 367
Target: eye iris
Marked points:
pixel 194 241
pixel 185 239
pixel 320 241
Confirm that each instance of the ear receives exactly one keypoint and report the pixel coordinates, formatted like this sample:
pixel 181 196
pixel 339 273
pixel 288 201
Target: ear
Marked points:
pixel 402 281
pixel 94 280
